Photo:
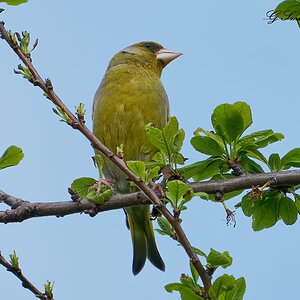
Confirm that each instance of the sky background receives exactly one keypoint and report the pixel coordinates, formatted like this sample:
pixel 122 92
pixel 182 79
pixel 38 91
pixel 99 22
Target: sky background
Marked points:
pixel 230 52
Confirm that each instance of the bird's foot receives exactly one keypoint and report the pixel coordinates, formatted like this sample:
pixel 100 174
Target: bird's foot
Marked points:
pixel 156 187
pixel 97 186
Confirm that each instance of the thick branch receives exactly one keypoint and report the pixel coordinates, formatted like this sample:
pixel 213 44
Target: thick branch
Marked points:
pixel 22 210
pixel 25 282
pixel 276 179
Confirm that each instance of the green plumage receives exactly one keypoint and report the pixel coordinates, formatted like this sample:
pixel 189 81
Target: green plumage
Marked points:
pixel 130 96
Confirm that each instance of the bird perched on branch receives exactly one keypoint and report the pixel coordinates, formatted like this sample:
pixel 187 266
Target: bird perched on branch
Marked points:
pixel 130 96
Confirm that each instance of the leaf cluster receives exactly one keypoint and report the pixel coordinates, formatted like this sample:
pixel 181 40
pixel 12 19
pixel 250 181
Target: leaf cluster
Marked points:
pixel 90 188
pixel 139 168
pixel 168 142
pixel 224 287
pixel 227 147
pixel 268 207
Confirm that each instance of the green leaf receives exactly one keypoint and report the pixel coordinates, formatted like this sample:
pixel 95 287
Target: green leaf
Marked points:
pixel 221 286
pixel 288 10
pixel 101 197
pixel 14 2
pixel 248 205
pixel 194 272
pixel 291 159
pixel 197 169
pixel 244 148
pixel 258 155
pixel 199 252
pixel 261 138
pixel 14 259
pixel 202 195
pixel 218 259
pixel 174 136
pixel 240 288
pixel 264 142
pixel 81 186
pixel 156 138
pixel 137 167
pixel 274 162
pixel 245 110
pixel 228 122
pixel 210 134
pixel 288 211
pixel 153 172
pixel 11 157
pixel 158 159
pixel 169 141
pixel 176 191
pixel 164 226
pixel 238 291
pixel 228 288
pixel 230 195
pixel 49 286
pixel 178 158
pixel 250 165
pixel 188 289
pixel 252 137
pixel 188 282
pixel 171 129
pixel 207 145
pixel 297 201
pixel 174 286
pixel 266 210
pixel 179 138
pixel 186 293
pixel 211 169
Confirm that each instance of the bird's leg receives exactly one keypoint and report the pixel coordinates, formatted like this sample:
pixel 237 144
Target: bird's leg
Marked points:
pixel 97 186
pixel 156 187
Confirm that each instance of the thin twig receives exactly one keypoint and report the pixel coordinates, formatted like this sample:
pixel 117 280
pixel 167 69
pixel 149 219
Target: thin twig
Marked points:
pixel 25 282
pixel 46 86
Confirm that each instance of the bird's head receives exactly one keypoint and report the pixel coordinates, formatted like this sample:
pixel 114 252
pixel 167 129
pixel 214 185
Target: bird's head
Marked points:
pixel 149 55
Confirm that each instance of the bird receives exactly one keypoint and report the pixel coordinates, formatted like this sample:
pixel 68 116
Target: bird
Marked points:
pixel 130 96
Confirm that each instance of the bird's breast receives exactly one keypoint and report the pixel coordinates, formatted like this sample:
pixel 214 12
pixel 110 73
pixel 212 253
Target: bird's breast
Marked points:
pixel 123 105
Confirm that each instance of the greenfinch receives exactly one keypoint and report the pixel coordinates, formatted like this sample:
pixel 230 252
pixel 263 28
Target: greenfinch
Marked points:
pixel 130 96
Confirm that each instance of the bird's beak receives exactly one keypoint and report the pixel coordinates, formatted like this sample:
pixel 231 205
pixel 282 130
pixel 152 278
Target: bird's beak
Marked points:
pixel 166 55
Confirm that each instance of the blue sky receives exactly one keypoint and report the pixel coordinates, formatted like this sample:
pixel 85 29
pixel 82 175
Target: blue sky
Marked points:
pixel 230 54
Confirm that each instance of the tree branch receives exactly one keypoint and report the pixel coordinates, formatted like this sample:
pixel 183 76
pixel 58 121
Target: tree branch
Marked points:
pixel 22 210
pixel 25 282
pixel 78 124
pixel 276 179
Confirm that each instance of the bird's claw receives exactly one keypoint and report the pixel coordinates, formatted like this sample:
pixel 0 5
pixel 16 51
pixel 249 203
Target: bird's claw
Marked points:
pixel 156 187
pixel 97 186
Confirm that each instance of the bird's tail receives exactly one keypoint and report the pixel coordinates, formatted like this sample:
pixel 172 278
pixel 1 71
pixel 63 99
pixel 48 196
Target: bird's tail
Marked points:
pixel 143 240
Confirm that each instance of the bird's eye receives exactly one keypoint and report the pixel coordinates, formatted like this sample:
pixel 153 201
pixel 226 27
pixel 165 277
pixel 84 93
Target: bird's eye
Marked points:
pixel 147 45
